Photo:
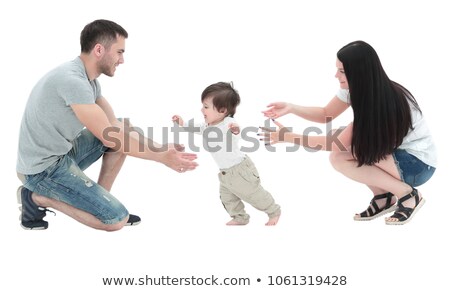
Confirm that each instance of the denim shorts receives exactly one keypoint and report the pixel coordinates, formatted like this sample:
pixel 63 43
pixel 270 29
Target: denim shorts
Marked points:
pixel 412 171
pixel 65 181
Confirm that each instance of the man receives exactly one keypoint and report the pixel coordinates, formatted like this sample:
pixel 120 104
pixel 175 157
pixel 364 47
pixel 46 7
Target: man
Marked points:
pixel 68 125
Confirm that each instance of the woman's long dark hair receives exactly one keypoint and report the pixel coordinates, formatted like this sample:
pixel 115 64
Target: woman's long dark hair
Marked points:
pixel 381 107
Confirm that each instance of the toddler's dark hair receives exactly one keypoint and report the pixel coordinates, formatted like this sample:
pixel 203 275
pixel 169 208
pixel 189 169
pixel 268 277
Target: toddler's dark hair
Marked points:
pixel 224 97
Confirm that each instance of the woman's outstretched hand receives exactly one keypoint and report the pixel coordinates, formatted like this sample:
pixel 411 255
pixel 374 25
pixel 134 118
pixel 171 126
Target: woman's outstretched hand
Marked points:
pixel 277 109
pixel 272 136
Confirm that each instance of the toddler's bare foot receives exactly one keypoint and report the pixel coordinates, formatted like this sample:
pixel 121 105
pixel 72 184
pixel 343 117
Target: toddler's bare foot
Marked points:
pixel 273 221
pixel 236 222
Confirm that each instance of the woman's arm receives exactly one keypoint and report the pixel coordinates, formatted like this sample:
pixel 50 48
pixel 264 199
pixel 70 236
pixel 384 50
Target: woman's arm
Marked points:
pixel 336 140
pixel 316 114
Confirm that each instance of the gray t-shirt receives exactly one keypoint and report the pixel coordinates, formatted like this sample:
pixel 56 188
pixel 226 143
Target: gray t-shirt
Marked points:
pixel 49 124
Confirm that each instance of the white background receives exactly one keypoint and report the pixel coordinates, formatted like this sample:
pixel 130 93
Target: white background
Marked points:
pixel 271 50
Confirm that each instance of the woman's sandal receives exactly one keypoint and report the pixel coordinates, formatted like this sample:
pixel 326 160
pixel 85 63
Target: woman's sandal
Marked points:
pixel 405 214
pixel 373 211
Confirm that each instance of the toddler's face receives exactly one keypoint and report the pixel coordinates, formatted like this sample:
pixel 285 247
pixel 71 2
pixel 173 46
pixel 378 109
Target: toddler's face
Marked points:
pixel 210 113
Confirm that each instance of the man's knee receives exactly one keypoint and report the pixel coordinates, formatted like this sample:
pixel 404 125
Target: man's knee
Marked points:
pixel 115 226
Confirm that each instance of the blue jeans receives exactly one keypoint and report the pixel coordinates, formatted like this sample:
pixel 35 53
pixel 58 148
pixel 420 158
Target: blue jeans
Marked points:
pixel 412 171
pixel 65 181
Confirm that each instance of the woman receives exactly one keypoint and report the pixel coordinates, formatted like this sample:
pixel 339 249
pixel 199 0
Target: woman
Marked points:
pixel 387 147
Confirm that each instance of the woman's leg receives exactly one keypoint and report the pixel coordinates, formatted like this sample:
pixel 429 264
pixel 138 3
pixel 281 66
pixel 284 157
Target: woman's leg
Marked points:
pixel 380 178
pixel 383 175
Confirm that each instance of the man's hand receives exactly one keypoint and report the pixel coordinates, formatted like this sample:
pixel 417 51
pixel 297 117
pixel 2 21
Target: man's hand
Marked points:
pixel 175 146
pixel 179 161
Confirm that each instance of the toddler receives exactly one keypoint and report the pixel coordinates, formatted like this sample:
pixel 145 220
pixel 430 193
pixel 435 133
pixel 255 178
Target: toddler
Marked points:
pixel 239 178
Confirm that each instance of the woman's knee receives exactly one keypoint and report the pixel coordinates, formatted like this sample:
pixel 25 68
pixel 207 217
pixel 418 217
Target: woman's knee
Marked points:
pixel 337 159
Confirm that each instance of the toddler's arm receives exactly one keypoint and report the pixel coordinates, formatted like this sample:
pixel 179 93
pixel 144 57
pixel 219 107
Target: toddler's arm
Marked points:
pixel 234 128
pixel 178 120
pixel 189 127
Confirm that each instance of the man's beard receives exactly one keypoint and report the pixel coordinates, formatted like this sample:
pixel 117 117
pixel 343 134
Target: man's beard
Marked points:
pixel 106 69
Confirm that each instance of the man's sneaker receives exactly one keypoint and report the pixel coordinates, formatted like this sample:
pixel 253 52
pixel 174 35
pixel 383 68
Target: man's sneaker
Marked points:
pixel 32 215
pixel 133 220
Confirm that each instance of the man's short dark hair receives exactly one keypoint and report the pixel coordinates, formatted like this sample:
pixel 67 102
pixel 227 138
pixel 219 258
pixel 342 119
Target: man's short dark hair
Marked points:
pixel 100 31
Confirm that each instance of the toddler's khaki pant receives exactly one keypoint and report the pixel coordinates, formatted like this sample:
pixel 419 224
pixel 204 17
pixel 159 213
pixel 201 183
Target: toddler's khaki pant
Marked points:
pixel 241 183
